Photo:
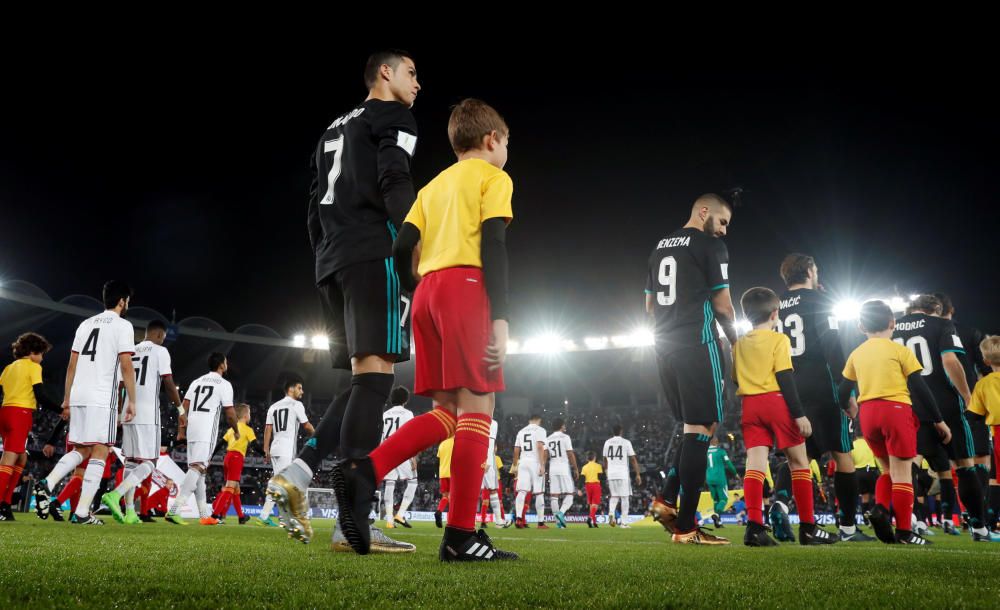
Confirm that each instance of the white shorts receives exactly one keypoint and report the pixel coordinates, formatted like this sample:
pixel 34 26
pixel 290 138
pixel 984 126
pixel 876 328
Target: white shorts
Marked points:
pixel 560 484
pixel 199 452
pixel 141 441
pixel 619 488
pixel 490 479
pixel 403 472
pixel 94 426
pixel 528 478
pixel 280 462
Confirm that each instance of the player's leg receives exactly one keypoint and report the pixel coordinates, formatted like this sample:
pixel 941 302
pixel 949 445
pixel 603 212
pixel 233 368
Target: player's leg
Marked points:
pixel 139 449
pixel 970 491
pixel 67 464
pixel 389 499
pixel 567 502
pixel 700 371
pixel 613 502
pixel 753 486
pixel 91 481
pixel 404 504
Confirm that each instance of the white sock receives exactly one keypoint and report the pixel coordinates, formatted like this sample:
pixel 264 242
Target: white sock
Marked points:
pixel 566 503
pixel 555 504
pixel 495 505
pixel 625 509
pixel 202 497
pixel 265 511
pixel 63 467
pixel 612 505
pixel 849 529
pixel 519 504
pixel 305 467
pixel 540 507
pixel 91 481
pixel 982 531
pixel 411 491
pixel 389 496
pixel 187 488
pixel 135 475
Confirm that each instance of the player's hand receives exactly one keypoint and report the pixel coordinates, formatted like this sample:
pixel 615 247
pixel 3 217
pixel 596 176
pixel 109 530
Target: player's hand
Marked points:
pixel 541 471
pixel 943 431
pixel 852 408
pixel 129 411
pixel 496 351
pixel 182 420
pixel 181 437
pixel 638 479
pixel 267 455
pixel 65 413
pixel 513 469
pixel 805 428
pixel 48 451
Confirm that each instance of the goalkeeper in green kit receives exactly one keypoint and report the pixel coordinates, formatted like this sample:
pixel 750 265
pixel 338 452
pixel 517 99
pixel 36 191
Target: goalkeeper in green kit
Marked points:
pixel 720 467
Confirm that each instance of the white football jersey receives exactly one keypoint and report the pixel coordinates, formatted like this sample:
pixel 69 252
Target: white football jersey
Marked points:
pixel 206 398
pixel 394 419
pixel 285 417
pixel 98 341
pixel 617 451
pixel 526 439
pixel 558 444
pixel 152 364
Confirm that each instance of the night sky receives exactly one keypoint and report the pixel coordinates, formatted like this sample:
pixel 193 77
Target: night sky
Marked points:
pixel 184 170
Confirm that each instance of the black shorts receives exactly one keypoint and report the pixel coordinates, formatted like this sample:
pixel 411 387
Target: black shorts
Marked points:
pixel 366 313
pixel 929 445
pixel 693 380
pixel 867 478
pixel 922 481
pixel 831 428
pixel 980 435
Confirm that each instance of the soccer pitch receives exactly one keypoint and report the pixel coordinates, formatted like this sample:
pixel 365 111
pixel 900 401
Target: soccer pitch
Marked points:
pixel 56 565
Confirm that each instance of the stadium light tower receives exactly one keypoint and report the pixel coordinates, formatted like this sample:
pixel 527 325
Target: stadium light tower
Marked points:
pixel 299 340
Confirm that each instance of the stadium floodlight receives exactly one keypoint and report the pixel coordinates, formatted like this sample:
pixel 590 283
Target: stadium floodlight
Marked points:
pixel 596 342
pixel 299 340
pixel 568 345
pixel 513 346
pixel 320 342
pixel 897 304
pixel 639 337
pixel 548 343
pixel 848 309
pixel 914 297
pixel 743 326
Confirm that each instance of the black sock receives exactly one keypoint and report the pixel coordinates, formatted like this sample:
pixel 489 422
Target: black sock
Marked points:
pixel 971 495
pixel 845 485
pixel 983 474
pixel 920 511
pixel 994 503
pixel 673 485
pixel 326 439
pixel 947 499
pixel 361 429
pixel 693 462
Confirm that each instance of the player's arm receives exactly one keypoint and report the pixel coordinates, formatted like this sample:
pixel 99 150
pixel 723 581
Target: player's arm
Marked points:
pixel 128 378
pixel 722 305
pixel 308 427
pixel 635 466
pixel 572 462
pixel 926 406
pixel 790 392
pixel 403 250
pixel 543 456
pixel 267 441
pixel 44 399
pixel 312 215
pixel 182 423
pixel 174 396
pixel 956 374
pixel 730 468
pixel 70 375
pixel 495 276
pixel 231 419
pixel 393 163
pixel 517 457
pixel 50 444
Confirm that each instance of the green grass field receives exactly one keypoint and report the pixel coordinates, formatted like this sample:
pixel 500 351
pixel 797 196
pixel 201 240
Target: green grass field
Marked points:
pixel 54 565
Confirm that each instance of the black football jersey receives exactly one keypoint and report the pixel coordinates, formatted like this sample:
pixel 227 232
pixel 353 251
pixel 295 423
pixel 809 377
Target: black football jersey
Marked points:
pixel 361 188
pixel 685 268
pixel 973 361
pixel 806 316
pixel 928 337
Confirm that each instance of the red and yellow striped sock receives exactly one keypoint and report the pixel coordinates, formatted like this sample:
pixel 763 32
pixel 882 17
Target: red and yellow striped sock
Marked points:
pixel 468 462
pixel 753 492
pixel 883 491
pixel 802 490
pixel 15 478
pixel 221 503
pixel 5 475
pixel 416 435
pixel 902 505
